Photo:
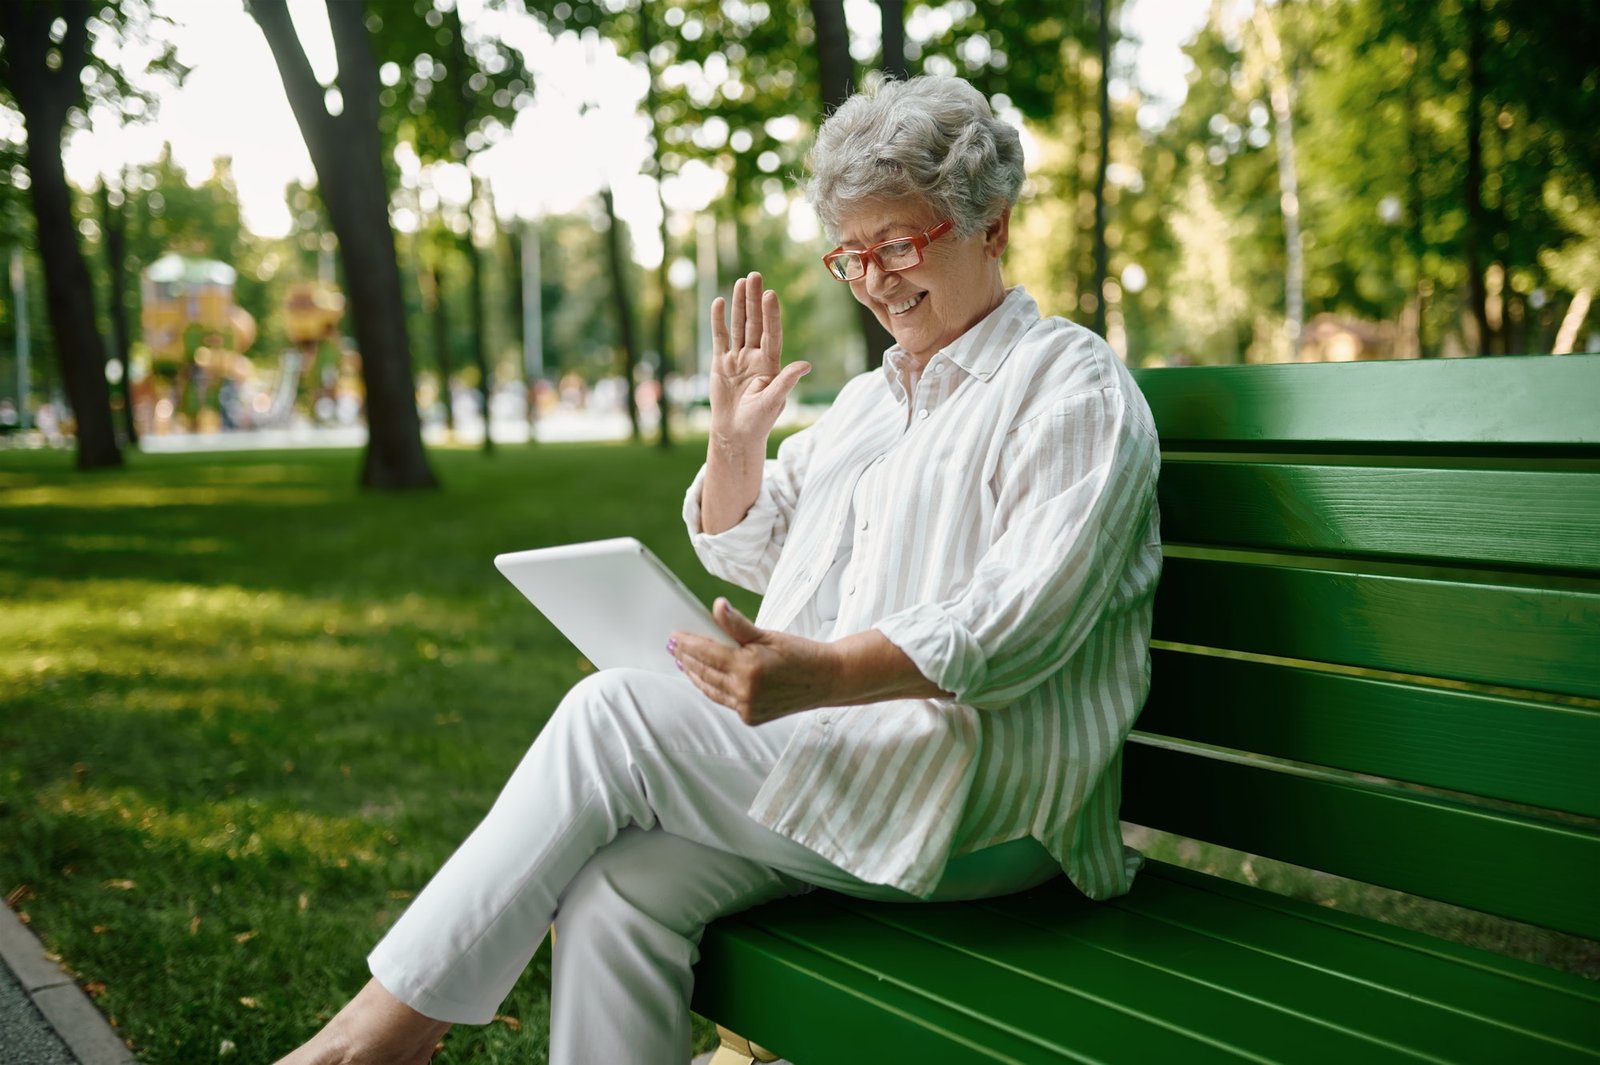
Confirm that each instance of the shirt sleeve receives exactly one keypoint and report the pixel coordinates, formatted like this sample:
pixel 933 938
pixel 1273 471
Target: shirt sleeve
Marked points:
pixel 1073 498
pixel 746 553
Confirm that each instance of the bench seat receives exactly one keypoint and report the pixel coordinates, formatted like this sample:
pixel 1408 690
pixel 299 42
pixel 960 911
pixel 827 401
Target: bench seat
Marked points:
pixel 1185 968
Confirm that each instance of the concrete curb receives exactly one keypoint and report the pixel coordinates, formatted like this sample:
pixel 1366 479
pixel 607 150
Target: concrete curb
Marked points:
pixel 70 1012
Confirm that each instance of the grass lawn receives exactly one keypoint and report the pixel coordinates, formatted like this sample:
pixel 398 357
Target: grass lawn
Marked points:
pixel 248 709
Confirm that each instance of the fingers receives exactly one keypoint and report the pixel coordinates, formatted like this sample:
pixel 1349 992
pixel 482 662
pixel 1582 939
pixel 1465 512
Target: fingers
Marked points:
pixel 734 623
pixel 772 322
pixel 739 314
pixel 702 662
pixel 719 327
pixel 755 327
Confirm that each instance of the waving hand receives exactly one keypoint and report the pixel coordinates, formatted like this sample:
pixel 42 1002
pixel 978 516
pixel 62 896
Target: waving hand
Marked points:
pixel 748 387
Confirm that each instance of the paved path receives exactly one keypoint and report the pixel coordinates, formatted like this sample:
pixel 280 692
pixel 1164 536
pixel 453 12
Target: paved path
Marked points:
pixel 45 1018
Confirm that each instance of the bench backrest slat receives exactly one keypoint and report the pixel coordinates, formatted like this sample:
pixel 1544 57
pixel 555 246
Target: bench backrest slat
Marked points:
pixel 1521 751
pixel 1508 635
pixel 1538 399
pixel 1520 866
pixel 1496 517
pixel 1378 625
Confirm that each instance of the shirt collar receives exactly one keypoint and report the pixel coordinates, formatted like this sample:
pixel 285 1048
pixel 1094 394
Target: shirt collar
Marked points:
pixel 980 350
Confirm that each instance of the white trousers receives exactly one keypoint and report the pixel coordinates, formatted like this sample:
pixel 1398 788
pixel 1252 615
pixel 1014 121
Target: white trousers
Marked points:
pixel 627 821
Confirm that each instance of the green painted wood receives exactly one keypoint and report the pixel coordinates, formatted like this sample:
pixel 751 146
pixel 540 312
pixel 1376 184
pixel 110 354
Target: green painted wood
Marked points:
pixel 1507 990
pixel 1185 968
pixel 1227 996
pixel 1486 517
pixel 1525 868
pixel 1542 640
pixel 814 983
pixel 1515 750
pixel 1495 401
pixel 1288 961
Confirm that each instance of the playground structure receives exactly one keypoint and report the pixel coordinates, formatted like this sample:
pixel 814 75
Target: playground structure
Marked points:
pixel 197 337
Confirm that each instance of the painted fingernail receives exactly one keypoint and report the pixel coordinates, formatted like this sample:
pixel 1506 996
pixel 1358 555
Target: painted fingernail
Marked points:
pixel 678 662
pixel 672 646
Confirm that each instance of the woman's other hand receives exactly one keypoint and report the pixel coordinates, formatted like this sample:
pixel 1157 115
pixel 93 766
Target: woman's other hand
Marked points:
pixel 768 676
pixel 773 674
pixel 748 384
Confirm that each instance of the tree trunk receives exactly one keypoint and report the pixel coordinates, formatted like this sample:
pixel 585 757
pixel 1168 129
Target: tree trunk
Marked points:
pixel 475 288
pixel 1103 162
pixel 663 280
pixel 1416 201
pixel 838 70
pixel 1472 244
pixel 623 305
pixel 892 17
pixel 1282 96
pixel 439 315
pixel 44 97
pixel 346 150
pixel 114 223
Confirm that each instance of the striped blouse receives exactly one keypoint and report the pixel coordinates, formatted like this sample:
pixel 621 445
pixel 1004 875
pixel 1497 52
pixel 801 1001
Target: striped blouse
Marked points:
pixel 1003 534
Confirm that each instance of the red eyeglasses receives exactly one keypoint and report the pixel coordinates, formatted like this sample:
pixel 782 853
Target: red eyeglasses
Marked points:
pixel 892 256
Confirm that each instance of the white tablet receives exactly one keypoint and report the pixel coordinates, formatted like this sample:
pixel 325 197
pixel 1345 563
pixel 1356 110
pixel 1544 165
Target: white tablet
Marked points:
pixel 615 601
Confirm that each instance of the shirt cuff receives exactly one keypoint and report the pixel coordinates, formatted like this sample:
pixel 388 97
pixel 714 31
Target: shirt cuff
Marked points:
pixel 940 647
pixel 743 544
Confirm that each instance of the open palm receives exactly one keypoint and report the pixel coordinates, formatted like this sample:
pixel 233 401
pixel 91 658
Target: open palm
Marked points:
pixel 748 385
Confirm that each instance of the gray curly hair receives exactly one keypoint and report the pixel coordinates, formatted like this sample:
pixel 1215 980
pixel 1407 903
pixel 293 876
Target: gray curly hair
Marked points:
pixel 929 138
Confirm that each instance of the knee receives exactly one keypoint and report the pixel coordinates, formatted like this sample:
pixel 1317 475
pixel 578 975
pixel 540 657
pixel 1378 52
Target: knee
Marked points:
pixel 621 896
pixel 611 701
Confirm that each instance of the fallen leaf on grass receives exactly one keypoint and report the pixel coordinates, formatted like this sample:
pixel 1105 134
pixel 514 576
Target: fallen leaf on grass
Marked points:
pixel 119 885
pixel 95 988
pixel 248 1002
pixel 194 924
pixel 100 930
pixel 227 1047
pixel 245 937
pixel 510 1022
pixel 19 894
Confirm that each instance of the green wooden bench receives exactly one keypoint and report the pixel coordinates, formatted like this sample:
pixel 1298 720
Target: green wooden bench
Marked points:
pixel 1377 654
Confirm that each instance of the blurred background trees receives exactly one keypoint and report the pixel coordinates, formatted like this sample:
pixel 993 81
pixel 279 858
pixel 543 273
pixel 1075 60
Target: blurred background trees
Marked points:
pixel 1342 179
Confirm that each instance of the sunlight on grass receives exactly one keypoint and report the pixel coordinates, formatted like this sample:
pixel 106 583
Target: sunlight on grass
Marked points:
pixel 114 497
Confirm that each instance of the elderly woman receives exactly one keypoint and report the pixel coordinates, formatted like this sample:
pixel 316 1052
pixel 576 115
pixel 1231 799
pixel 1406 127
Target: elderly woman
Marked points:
pixel 957 562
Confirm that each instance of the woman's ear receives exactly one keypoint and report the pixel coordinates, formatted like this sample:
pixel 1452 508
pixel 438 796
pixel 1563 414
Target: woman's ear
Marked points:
pixel 998 234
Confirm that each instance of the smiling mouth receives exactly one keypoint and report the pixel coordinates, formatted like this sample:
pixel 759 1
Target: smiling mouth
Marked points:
pixel 905 305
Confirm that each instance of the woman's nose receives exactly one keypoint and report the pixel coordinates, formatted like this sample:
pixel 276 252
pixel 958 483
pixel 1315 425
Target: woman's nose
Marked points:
pixel 877 278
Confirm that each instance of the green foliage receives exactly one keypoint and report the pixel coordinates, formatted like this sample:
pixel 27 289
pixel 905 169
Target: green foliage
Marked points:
pixel 448 90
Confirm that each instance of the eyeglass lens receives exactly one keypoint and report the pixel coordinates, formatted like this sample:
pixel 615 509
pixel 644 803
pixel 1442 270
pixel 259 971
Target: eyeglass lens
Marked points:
pixel 897 255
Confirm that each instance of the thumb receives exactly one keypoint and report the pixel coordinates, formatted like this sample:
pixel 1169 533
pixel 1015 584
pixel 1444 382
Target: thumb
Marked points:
pixel 735 624
pixel 788 377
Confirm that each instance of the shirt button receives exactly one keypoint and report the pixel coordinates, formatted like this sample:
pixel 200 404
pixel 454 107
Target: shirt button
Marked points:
pixel 852 590
pixel 938 367
pixel 865 524
pixel 922 413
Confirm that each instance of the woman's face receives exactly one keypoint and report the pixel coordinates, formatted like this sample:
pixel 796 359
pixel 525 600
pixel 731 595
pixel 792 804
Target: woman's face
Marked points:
pixel 954 287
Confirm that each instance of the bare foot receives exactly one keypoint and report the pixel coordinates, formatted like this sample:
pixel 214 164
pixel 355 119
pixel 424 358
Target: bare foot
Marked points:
pixel 374 1028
